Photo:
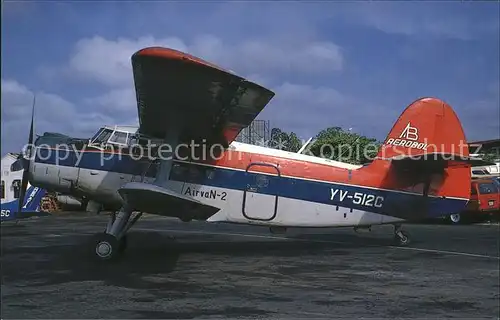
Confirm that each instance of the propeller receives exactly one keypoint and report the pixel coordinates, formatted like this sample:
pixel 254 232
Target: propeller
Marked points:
pixel 25 159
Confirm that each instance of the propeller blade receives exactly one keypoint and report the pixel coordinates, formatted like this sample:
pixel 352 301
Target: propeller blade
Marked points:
pixel 22 194
pixel 30 139
pixel 26 162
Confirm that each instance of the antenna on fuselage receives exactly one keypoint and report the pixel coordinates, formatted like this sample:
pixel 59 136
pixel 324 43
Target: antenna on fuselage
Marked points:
pixel 305 145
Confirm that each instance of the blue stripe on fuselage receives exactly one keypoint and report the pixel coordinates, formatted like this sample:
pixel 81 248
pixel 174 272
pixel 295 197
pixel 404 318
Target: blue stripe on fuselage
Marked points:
pixel 95 160
pixel 289 187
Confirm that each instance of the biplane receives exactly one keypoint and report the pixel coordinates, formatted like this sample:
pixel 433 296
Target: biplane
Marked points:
pixel 420 172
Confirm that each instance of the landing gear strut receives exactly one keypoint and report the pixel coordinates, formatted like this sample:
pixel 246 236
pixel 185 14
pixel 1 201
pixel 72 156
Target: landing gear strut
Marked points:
pixel 110 244
pixel 401 237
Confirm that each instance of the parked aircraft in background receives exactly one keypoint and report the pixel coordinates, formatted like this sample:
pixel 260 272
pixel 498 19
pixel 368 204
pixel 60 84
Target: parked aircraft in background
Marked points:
pixel 31 206
pixel 183 99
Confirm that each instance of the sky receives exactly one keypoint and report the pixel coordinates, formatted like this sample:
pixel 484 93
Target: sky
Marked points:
pixel 352 65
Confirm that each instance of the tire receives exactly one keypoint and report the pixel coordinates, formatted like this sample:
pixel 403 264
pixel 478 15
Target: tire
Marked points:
pixel 106 247
pixel 455 218
pixel 402 240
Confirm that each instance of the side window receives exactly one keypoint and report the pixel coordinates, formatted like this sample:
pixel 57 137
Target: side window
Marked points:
pixel 487 188
pixel 191 173
pixel 3 189
pixel 133 140
pixel 16 185
pixel 119 137
pixel 209 173
pixel 195 174
pixel 179 172
pixel 136 148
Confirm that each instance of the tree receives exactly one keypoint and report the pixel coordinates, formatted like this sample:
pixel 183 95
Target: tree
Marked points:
pixel 345 146
pixel 284 141
pixel 331 143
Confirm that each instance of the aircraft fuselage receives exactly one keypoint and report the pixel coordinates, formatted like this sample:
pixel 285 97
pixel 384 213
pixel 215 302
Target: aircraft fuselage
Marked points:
pixel 277 188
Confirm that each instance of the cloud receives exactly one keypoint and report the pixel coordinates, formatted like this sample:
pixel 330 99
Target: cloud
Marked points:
pixel 481 117
pixel 266 57
pixel 122 100
pixel 108 61
pixel 17 102
pixel 440 20
pixel 52 113
pixel 306 109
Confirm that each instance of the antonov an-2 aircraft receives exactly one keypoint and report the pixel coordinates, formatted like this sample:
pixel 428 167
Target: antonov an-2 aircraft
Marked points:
pixel 422 169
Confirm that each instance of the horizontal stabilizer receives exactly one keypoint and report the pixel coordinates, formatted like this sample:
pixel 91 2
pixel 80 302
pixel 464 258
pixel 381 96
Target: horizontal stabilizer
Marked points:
pixel 429 175
pixel 150 198
pixel 435 161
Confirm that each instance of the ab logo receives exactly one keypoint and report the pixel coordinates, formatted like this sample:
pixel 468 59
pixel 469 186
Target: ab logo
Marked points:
pixel 410 133
pixel 408 139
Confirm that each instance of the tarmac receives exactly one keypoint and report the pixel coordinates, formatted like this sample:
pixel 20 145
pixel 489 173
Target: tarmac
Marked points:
pixel 193 270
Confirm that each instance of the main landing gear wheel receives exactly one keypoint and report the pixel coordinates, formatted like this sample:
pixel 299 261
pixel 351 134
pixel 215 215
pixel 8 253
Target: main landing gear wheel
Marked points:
pixel 401 237
pixel 107 247
pixel 111 244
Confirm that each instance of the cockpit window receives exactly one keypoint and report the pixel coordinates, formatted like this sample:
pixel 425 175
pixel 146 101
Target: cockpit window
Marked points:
pixel 103 137
pixel 97 134
pixel 119 137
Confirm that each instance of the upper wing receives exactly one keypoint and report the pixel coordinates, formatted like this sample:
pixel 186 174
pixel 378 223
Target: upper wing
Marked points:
pixel 210 103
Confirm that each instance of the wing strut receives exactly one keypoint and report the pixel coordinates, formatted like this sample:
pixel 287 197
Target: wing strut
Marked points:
pixel 168 150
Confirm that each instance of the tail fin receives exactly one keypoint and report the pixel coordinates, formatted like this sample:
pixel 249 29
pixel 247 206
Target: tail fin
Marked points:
pixel 428 154
pixel 428 127
pixel 33 199
pixel 31 206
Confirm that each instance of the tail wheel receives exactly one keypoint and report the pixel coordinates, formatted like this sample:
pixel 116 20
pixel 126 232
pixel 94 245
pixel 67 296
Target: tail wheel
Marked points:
pixel 402 238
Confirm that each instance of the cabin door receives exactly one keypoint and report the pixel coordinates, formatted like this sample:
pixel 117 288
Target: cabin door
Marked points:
pixel 260 196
